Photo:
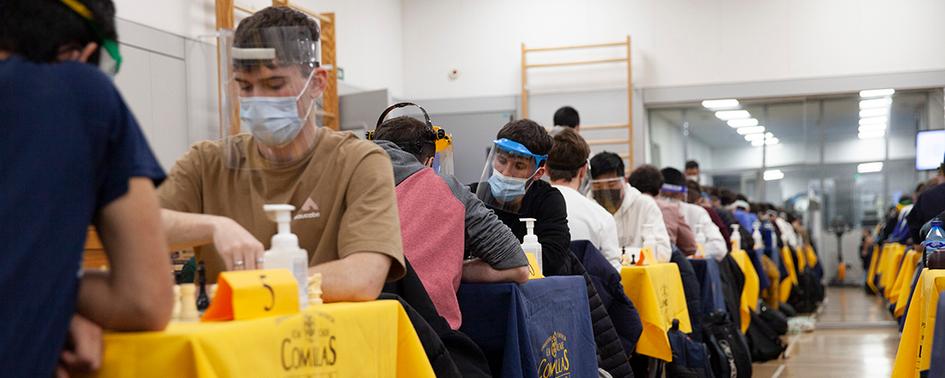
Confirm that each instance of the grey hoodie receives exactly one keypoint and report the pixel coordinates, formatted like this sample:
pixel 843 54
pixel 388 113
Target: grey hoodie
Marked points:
pixel 487 238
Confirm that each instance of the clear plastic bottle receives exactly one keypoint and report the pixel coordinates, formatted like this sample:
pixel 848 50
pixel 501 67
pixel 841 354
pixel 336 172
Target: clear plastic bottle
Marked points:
pixel 935 246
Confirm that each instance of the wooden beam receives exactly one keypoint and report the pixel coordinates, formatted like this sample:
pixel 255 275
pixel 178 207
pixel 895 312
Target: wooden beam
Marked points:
pixel 243 9
pixel 574 47
pixel 329 59
pixel 577 63
pixel 629 103
pixel 524 83
pixel 604 127
pixel 606 141
pixel 287 4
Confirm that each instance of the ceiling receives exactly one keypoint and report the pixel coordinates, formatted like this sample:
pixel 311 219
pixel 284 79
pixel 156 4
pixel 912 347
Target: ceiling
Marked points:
pixel 796 121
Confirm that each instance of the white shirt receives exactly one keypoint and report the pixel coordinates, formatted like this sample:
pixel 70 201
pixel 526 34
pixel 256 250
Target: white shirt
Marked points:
pixel 589 221
pixel 635 211
pixel 788 236
pixel 699 218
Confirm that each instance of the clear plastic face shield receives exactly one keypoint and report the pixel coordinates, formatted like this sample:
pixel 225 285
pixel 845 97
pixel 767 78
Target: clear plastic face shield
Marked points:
pixel 608 193
pixel 270 90
pixel 509 171
pixel 674 192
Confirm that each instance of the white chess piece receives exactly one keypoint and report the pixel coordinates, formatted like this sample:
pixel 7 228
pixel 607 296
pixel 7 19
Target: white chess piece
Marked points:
pixel 315 289
pixel 175 313
pixel 188 302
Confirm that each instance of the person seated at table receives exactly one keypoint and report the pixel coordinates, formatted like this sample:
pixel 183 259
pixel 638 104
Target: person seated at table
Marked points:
pixel 648 180
pixel 72 155
pixel 587 220
pixel 441 221
pixel 631 209
pixel 511 186
pixel 675 190
pixel 343 187
pixel 695 196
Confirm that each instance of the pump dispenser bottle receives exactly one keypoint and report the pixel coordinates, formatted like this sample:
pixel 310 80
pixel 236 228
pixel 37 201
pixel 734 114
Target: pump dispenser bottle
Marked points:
pixel 530 243
pixel 735 239
pixel 648 252
pixel 284 253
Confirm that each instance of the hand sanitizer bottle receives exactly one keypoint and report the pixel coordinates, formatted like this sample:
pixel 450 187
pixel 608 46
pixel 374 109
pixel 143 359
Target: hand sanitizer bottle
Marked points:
pixel 648 252
pixel 759 245
pixel 530 243
pixel 284 253
pixel 735 239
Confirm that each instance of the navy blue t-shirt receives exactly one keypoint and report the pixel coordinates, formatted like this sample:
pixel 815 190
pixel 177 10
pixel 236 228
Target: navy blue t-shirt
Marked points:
pixel 68 146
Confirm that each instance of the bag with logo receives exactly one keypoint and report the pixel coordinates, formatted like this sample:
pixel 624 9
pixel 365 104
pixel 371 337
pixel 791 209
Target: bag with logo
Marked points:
pixel 764 343
pixel 728 350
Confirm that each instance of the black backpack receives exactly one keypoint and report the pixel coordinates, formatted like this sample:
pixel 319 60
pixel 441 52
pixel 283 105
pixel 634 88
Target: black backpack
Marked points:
pixel 728 350
pixel 803 298
pixel 690 357
pixel 773 318
pixel 764 342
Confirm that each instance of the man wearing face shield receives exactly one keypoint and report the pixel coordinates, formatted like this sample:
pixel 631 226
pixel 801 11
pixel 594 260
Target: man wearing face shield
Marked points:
pixel 511 186
pixel 568 169
pixel 342 188
pixel 648 180
pixel 676 191
pixel 631 209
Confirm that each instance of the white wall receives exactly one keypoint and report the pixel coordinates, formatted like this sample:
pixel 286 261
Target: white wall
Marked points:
pixel 368 33
pixel 676 42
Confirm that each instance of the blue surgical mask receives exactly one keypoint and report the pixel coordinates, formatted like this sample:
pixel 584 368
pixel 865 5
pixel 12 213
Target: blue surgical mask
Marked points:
pixel 505 188
pixel 274 121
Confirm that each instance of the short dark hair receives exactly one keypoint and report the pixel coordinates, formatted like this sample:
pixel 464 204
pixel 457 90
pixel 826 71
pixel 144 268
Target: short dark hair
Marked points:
pixel 741 197
pixel 567 116
pixel 726 197
pixel 40 30
pixel 607 162
pixel 410 134
pixel 647 179
pixel 673 176
pixel 529 133
pixel 693 191
pixel 692 164
pixel 568 155
pixel 247 34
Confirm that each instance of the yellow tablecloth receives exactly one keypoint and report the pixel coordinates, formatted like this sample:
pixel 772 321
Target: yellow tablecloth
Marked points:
pixel 891 270
pixel 915 345
pixel 787 283
pixel 371 339
pixel 657 292
pixel 903 276
pixel 750 291
pixel 871 273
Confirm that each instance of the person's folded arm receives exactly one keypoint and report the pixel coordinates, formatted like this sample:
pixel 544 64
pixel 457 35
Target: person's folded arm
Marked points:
pixel 357 277
pixel 478 271
pixel 135 293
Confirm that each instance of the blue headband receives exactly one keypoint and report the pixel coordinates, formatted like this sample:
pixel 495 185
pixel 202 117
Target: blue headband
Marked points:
pixel 519 149
pixel 673 188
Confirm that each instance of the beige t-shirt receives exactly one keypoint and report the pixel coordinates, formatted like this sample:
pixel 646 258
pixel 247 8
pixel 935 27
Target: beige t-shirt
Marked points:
pixel 343 192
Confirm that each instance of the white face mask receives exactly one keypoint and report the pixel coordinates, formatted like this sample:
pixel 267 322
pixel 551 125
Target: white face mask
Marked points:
pixel 274 121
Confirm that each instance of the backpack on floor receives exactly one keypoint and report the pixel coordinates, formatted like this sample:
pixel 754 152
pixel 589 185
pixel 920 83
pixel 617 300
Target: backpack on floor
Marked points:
pixel 774 319
pixel 690 357
pixel 728 350
pixel 763 342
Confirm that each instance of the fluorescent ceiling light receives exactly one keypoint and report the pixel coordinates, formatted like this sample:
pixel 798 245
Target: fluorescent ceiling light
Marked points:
pixel 872 128
pixel 727 103
pixel 875 112
pixel 881 120
pixel 726 115
pixel 871 134
pixel 736 123
pixel 773 174
pixel 751 137
pixel 877 92
pixel 750 130
pixel 876 103
pixel 876 166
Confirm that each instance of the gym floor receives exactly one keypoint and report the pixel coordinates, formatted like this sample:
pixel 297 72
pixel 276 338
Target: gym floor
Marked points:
pixel 855 337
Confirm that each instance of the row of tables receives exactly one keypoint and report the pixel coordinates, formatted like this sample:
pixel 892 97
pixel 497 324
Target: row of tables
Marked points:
pixel 917 301
pixel 541 328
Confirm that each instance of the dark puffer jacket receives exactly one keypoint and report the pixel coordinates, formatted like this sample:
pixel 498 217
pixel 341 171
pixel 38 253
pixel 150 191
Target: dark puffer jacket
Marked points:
pixel 606 280
pixel 610 353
